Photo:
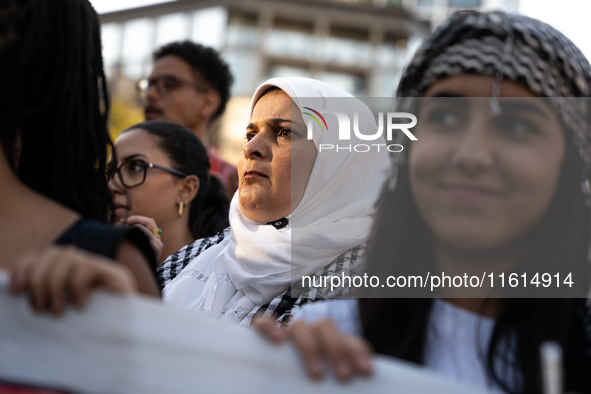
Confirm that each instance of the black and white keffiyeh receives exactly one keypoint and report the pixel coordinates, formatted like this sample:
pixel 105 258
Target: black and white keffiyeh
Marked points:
pixel 175 263
pixel 284 305
pixel 514 47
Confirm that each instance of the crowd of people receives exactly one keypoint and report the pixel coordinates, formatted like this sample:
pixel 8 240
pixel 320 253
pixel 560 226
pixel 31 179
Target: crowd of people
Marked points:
pixel 497 180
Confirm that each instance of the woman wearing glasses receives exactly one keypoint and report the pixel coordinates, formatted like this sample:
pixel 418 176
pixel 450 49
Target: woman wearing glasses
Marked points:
pixel 159 181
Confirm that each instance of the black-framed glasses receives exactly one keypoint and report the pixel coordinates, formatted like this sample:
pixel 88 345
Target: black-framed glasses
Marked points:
pixel 133 173
pixel 166 84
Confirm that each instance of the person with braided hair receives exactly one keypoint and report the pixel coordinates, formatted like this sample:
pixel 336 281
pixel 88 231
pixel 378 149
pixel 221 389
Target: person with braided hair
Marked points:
pixel 54 139
pixel 496 182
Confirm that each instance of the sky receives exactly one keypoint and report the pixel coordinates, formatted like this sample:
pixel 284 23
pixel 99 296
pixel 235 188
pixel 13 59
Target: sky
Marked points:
pixel 571 17
pixel 102 6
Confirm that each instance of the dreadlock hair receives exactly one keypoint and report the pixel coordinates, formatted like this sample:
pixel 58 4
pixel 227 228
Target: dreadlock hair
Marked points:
pixel 54 102
pixel 211 69
pixel 208 212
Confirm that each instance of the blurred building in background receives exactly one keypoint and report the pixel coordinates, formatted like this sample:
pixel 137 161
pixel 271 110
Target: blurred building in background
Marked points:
pixel 360 46
pixel 436 11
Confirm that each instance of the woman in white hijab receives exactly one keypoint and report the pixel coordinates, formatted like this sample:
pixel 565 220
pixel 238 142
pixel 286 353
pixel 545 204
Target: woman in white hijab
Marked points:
pixel 299 210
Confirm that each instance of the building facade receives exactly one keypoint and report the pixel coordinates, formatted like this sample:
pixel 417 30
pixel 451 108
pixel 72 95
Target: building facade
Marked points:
pixel 360 46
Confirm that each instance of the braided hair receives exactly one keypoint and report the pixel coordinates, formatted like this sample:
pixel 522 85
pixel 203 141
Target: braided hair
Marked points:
pixel 208 212
pixel 54 102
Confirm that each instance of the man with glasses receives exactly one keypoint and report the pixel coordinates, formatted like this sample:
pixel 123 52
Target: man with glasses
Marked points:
pixel 190 85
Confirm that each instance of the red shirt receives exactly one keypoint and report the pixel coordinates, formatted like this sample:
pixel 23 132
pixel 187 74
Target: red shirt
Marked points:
pixel 227 173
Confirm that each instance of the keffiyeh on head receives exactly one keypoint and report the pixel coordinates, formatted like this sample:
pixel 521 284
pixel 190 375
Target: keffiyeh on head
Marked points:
pixel 513 47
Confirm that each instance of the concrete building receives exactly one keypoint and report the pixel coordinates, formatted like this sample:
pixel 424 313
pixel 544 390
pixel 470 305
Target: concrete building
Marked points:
pixel 436 11
pixel 360 46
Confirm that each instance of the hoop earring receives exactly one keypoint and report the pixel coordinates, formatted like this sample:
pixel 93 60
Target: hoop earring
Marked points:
pixel 181 208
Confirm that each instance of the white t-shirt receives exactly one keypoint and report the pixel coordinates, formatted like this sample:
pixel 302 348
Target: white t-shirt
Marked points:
pixel 457 339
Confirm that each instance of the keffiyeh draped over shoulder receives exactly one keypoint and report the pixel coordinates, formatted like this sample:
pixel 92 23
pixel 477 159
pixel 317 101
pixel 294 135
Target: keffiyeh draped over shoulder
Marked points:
pixel 255 263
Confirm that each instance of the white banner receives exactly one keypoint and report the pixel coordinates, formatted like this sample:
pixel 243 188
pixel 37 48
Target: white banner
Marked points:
pixel 134 345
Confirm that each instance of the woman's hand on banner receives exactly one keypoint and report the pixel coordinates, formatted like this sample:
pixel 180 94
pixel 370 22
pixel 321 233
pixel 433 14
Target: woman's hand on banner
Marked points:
pixel 59 274
pixel 348 355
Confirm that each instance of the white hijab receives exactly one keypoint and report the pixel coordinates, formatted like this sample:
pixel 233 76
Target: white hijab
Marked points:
pixel 255 263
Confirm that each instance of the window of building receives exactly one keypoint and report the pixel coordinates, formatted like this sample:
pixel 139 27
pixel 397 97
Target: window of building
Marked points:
pixel 242 31
pixel 346 47
pixel 465 3
pixel 138 39
pixel 282 71
pixel 290 40
pixel 245 66
pixel 354 84
pixel 172 27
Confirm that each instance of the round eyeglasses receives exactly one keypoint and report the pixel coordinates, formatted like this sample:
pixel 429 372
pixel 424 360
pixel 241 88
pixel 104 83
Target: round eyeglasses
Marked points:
pixel 133 173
